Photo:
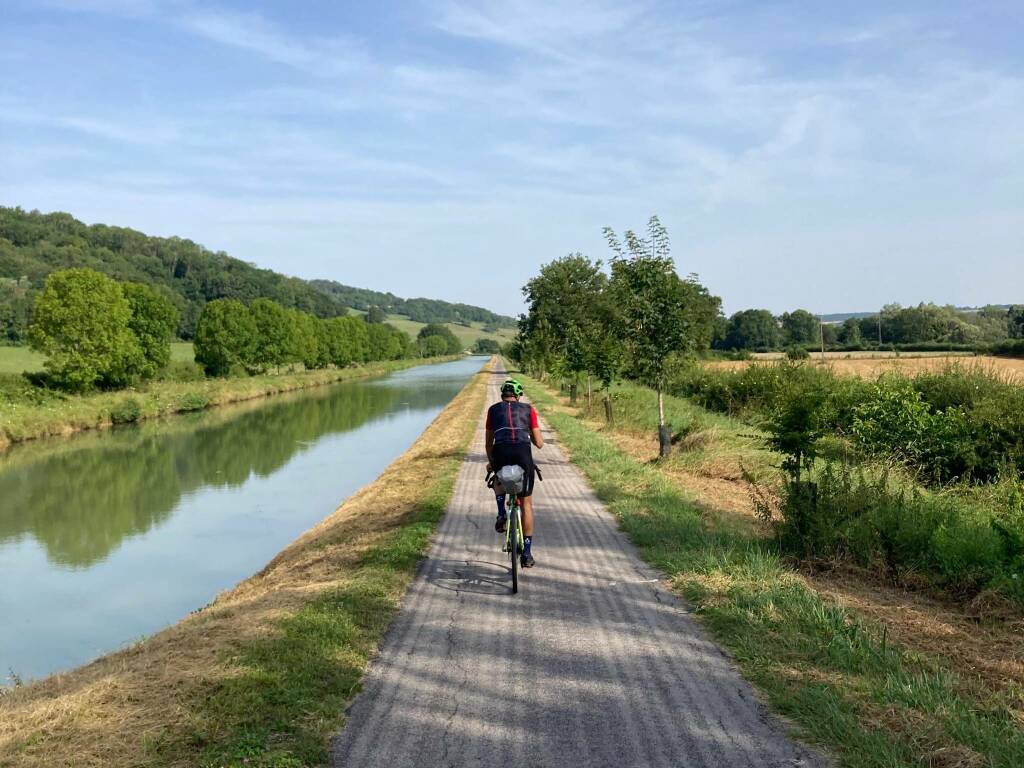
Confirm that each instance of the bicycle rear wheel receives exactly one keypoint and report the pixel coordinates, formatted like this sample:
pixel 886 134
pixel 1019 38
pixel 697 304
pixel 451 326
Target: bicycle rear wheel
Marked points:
pixel 513 529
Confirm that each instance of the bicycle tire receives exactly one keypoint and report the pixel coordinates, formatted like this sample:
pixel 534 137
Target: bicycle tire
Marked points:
pixel 513 525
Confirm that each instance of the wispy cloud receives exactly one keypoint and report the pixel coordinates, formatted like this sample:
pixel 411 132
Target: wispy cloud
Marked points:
pixel 327 57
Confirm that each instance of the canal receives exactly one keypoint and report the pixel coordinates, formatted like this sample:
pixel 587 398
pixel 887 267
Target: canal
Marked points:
pixel 108 536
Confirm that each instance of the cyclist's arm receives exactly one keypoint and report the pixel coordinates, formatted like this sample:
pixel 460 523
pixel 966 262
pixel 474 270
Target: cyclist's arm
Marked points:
pixel 489 446
pixel 535 436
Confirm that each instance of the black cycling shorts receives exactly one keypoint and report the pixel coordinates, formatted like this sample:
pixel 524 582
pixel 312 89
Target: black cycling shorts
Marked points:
pixel 510 454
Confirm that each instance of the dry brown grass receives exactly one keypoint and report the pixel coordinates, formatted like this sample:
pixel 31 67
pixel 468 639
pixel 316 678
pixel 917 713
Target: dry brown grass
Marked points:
pixel 865 367
pixel 105 713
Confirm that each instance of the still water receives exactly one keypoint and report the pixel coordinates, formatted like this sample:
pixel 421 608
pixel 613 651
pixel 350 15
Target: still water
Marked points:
pixel 109 536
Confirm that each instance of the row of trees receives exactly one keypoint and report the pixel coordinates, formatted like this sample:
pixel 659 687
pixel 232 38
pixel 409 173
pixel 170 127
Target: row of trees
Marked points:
pixel 760 330
pixel 96 332
pixel 583 321
pixel 264 336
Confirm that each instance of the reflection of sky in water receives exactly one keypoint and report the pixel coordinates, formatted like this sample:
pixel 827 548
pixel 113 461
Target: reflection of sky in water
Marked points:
pixel 214 534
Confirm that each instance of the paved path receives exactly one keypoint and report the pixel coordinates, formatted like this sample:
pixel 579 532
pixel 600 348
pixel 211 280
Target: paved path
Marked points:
pixel 592 664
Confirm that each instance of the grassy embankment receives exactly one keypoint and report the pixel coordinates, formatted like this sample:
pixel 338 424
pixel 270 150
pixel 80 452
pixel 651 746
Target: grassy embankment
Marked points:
pixel 28 412
pixel 900 680
pixel 261 676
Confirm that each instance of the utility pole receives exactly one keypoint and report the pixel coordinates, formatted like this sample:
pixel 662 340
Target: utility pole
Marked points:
pixel 821 331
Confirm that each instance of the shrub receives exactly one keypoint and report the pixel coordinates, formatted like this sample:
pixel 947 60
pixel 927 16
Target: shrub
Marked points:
pixel 1008 348
pixel 127 411
pixel 795 352
pixel 192 401
pixel 908 535
pixel 896 421
pixel 181 370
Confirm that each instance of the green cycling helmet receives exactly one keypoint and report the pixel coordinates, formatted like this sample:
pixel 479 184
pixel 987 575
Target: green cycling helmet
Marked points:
pixel 512 387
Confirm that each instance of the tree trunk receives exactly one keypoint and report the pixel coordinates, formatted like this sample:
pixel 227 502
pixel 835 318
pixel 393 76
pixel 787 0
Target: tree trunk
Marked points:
pixel 664 432
pixel 609 415
pixel 589 395
pixel 572 393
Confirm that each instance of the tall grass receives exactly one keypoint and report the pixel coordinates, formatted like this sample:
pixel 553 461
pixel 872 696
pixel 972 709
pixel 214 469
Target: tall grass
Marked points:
pixel 960 423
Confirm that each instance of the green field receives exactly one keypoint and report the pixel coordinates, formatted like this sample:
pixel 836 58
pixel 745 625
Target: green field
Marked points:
pixel 18 359
pixel 466 335
pixel 21 359
pixel 182 352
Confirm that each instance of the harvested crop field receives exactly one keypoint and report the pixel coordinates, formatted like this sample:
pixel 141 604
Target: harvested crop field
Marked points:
pixel 871 367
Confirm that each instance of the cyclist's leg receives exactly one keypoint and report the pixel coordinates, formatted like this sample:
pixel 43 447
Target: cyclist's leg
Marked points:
pixel 527 504
pixel 526 462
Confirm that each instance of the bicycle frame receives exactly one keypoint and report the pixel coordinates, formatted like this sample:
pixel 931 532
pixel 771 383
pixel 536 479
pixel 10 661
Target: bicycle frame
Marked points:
pixel 514 542
pixel 513 507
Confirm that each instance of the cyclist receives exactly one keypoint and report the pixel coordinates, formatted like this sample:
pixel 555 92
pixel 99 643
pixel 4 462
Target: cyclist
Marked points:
pixel 510 429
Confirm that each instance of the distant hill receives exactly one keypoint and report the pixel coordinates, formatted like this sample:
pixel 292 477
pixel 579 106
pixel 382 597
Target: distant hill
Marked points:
pixel 418 310
pixel 838 317
pixel 33 244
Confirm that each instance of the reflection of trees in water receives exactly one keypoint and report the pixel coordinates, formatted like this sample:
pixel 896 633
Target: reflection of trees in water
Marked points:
pixel 80 504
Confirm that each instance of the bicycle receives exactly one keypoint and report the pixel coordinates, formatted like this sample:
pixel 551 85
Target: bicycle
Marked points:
pixel 512 479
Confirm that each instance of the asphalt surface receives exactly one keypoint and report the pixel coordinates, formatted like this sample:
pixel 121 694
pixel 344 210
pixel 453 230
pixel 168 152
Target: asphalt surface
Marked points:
pixel 593 663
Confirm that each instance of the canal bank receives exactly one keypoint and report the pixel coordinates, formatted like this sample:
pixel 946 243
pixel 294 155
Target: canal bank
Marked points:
pixel 32 413
pixel 269 660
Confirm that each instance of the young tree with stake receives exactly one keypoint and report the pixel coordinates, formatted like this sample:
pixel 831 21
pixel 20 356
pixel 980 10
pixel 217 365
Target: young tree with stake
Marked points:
pixel 660 314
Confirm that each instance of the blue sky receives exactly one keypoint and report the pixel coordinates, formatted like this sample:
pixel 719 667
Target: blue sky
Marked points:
pixel 834 156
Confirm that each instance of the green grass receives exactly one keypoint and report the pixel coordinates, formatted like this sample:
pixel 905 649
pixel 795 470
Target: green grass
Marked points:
pixel 182 352
pixel 870 702
pixel 291 688
pixel 19 359
pixel 22 359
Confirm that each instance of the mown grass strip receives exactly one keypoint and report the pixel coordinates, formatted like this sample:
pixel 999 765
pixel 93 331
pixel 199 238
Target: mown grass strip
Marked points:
pixel 839 678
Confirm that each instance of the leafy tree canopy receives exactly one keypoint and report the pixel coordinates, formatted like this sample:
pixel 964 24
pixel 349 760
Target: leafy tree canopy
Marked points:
pixel 81 323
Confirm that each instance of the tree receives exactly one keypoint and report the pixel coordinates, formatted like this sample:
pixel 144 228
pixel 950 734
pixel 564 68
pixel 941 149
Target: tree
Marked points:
pixel 453 345
pixel 434 346
pixel 385 341
pixel 225 336
pixel 486 347
pixel 850 332
pixel 564 318
pixel 347 341
pixel 1015 321
pixel 754 329
pixel 305 347
pixel 800 327
pixel 274 336
pixel 660 315
pixel 81 323
pixel 153 320
pixel 16 298
pixel 376 315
